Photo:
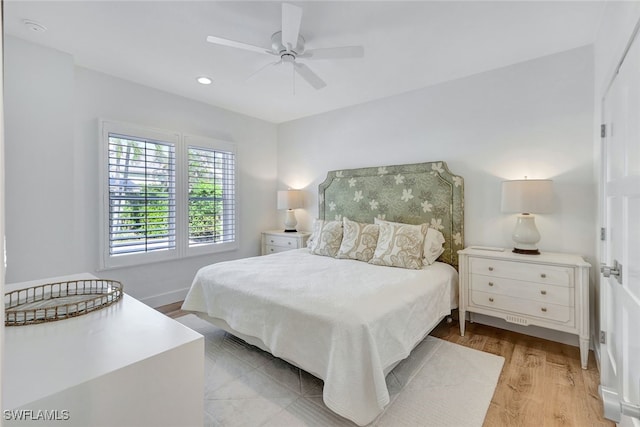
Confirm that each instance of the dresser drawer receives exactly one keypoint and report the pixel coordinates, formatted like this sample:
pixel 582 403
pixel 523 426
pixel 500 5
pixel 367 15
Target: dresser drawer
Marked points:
pixel 522 271
pixel 552 294
pixel 282 242
pixel 522 307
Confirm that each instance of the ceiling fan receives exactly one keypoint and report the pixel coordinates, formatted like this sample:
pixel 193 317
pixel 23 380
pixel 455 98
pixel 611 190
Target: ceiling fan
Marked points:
pixel 289 45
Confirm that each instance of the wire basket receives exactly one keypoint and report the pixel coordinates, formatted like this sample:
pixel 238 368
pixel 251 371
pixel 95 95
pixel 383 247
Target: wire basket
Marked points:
pixel 60 300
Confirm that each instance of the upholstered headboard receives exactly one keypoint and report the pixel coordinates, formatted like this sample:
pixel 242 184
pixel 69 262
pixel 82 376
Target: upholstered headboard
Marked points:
pixel 413 194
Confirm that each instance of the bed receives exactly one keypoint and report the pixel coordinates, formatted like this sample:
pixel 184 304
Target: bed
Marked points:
pixel 346 321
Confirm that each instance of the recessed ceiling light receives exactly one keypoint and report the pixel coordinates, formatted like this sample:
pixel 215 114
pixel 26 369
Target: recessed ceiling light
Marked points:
pixel 34 26
pixel 204 80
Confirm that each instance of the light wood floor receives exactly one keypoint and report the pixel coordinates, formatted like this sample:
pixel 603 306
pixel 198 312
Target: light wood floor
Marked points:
pixel 541 384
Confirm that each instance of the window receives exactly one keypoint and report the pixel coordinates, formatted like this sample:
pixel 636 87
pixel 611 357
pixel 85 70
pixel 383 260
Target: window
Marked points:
pixel 165 195
pixel 142 196
pixel 211 196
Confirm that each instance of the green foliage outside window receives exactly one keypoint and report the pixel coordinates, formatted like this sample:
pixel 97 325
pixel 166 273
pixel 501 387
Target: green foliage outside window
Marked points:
pixel 205 211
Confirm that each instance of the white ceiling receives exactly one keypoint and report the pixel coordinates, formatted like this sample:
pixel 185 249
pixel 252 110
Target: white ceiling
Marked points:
pixel 408 45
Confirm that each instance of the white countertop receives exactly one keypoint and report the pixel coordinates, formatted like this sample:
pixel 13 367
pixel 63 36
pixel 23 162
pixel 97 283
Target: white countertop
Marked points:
pixel 44 359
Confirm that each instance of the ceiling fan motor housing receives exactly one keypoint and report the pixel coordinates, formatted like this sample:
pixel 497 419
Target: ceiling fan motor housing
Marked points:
pixel 281 49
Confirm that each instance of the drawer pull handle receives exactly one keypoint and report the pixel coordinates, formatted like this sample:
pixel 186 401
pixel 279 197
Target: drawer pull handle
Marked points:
pixel 543 275
pixel 490 299
pixel 543 292
pixel 490 268
pixel 490 283
pixel 544 309
pixel 271 240
pixel 289 243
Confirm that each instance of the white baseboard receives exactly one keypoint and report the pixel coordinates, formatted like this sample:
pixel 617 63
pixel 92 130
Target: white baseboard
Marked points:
pixel 596 353
pixel 166 298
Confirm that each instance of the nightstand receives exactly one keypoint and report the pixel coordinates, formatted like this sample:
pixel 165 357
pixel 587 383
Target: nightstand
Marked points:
pixel 274 241
pixel 550 290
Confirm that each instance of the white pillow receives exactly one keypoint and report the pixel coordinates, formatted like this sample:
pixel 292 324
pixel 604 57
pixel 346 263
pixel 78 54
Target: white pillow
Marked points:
pixel 433 246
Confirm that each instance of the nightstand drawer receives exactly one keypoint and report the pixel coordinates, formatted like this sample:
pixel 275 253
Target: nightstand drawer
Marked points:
pixel 280 241
pixel 270 249
pixel 522 271
pixel 556 313
pixel 559 295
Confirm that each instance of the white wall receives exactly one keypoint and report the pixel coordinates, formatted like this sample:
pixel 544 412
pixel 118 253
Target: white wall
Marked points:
pixel 52 144
pixel 533 119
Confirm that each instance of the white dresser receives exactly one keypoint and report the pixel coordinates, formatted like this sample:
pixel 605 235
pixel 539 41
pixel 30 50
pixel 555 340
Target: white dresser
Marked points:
pixel 274 241
pixel 550 290
pixel 124 365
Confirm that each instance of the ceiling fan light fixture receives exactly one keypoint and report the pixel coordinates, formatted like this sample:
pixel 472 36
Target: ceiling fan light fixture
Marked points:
pixel 34 26
pixel 203 80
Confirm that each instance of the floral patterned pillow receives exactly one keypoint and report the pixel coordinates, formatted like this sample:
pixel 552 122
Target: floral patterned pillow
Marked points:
pixel 400 245
pixel 325 238
pixel 359 240
pixel 433 242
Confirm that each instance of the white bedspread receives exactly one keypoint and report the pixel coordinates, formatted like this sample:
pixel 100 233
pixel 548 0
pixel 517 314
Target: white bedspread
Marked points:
pixel 344 321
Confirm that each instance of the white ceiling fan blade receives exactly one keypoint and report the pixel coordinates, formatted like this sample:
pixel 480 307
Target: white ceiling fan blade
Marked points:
pixel 291 18
pixel 334 53
pixel 311 77
pixel 262 68
pixel 239 45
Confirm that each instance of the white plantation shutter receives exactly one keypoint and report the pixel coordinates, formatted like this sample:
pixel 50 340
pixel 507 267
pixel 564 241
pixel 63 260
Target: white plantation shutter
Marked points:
pixel 142 199
pixel 165 195
pixel 211 206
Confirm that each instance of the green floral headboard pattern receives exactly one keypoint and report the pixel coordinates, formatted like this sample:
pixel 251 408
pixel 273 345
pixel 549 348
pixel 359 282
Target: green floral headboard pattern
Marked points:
pixel 413 194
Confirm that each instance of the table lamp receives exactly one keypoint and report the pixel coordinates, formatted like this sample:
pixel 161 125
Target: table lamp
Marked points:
pixel 526 197
pixel 290 200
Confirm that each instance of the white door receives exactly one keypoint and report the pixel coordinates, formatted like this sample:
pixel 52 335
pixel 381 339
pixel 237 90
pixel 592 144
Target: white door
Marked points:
pixel 620 282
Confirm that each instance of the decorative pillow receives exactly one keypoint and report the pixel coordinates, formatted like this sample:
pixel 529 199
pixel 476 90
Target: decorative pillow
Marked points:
pixel 325 238
pixel 433 242
pixel 400 245
pixel 359 240
pixel 433 246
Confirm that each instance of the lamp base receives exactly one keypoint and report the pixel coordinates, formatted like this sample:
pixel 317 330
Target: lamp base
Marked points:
pixel 526 251
pixel 290 222
pixel 526 235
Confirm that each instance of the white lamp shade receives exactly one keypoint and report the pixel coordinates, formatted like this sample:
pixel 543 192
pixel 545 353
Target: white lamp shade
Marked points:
pixel 289 199
pixel 527 196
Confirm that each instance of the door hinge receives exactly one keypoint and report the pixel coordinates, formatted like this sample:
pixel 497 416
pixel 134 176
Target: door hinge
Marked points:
pixel 603 130
pixel 603 233
pixel 603 337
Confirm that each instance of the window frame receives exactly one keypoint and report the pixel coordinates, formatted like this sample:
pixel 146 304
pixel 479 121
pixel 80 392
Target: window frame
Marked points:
pixel 182 143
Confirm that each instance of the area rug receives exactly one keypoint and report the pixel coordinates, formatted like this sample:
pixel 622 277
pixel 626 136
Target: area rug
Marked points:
pixel 439 384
